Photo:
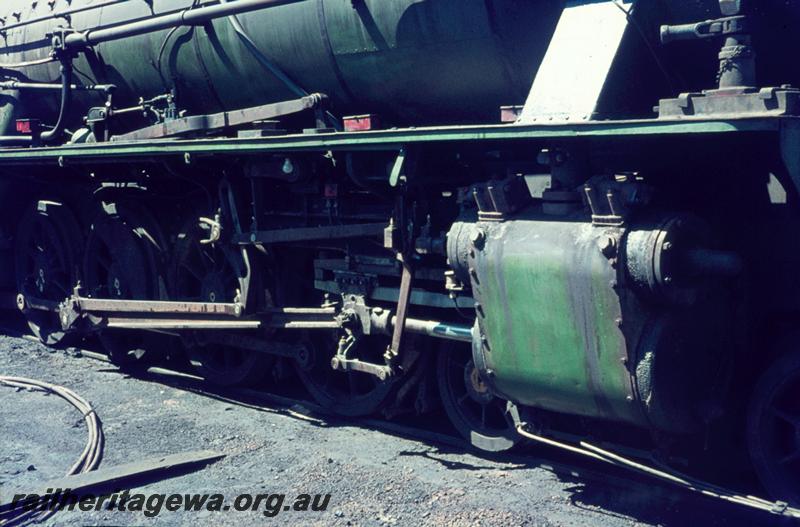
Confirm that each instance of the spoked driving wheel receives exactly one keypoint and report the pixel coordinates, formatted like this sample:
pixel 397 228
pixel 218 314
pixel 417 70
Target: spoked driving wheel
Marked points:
pixel 120 262
pixel 774 429
pixel 210 273
pixel 479 416
pixel 348 393
pixel 46 263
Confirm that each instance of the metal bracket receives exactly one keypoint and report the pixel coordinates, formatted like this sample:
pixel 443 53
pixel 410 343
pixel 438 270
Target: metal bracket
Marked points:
pixel 213 226
pixel 397 173
pixel 770 101
pixel 341 360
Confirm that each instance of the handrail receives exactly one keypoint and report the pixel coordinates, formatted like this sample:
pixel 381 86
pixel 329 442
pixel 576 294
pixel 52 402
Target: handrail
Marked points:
pixel 186 17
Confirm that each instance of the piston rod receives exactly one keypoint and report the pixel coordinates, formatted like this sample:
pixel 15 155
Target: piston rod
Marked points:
pixel 384 322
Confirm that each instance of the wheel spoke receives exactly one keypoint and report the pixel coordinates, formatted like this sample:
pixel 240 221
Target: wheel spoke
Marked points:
pixel 784 416
pixel 351 383
pixel 103 259
pixel 192 270
pixel 225 358
pixel 794 456
pixel 47 245
pixel 202 257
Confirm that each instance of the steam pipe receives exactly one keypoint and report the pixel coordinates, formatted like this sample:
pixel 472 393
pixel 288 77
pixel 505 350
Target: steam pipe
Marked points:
pixel 46 137
pixel 66 100
pixel 187 17
pixel 708 262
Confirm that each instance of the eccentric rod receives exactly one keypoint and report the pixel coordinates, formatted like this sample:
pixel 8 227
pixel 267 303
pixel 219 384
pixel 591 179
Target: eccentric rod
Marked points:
pixel 187 17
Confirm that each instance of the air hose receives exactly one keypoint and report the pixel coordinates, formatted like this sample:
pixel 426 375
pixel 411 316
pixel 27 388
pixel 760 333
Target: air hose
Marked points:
pixel 89 458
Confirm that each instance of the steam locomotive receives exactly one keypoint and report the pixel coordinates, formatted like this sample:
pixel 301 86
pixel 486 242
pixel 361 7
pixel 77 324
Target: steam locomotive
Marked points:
pixel 554 218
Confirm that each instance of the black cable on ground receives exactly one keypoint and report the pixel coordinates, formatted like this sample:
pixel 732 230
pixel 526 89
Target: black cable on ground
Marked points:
pixel 89 458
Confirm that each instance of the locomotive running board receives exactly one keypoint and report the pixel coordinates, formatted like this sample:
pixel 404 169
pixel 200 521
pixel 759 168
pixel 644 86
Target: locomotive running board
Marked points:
pixel 219 121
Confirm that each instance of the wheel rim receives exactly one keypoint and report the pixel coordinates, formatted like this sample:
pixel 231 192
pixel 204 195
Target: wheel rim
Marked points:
pixel 348 393
pixel 208 273
pixel 118 264
pixel 775 431
pixel 479 416
pixel 45 263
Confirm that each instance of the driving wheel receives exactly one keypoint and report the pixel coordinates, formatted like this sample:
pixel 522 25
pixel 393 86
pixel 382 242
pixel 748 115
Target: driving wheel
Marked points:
pixel 478 415
pixel 348 393
pixel 46 263
pixel 211 273
pixel 773 429
pixel 121 262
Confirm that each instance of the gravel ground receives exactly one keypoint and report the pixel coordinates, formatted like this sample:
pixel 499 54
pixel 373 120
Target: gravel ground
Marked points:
pixel 373 477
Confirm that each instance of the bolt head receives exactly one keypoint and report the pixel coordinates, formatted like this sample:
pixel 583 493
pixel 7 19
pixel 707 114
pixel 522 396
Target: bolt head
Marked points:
pixel 478 238
pixel 607 245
